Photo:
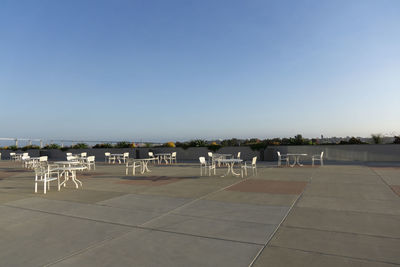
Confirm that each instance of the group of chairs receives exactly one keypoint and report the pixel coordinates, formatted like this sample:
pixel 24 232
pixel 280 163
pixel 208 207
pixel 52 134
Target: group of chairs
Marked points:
pixel 214 160
pixel 112 158
pixel 286 159
pixel 171 158
pixel 87 161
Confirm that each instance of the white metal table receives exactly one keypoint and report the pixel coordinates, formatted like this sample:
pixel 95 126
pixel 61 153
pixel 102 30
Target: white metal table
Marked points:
pixel 164 156
pixel 218 157
pixel 67 170
pixel 296 159
pixel 230 163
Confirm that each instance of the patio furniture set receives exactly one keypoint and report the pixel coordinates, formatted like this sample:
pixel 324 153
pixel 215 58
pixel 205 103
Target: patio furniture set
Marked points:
pixel 296 159
pixel 142 164
pixel 46 172
pixel 216 159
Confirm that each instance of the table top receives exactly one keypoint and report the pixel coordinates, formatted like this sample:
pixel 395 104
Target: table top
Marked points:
pixel 230 160
pixel 293 154
pixel 116 154
pixel 162 154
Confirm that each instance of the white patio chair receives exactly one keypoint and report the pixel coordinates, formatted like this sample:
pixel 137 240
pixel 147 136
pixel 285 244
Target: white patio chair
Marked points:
pixel 210 157
pixel 90 161
pixel 250 165
pixel 172 158
pixel 108 157
pixel 13 156
pixel 71 158
pixel 206 166
pixel 282 158
pixel 25 160
pixel 125 157
pixel 318 158
pixel 133 164
pixel 45 175
pixel 154 158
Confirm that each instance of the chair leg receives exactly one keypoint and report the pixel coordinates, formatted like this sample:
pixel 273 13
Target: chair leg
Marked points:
pixel 322 162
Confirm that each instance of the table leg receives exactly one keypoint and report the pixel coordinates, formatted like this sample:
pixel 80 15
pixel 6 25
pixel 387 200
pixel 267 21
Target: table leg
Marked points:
pixel 298 161
pixel 233 172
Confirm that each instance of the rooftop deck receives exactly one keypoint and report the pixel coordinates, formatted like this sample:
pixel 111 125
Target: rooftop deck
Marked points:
pixel 336 215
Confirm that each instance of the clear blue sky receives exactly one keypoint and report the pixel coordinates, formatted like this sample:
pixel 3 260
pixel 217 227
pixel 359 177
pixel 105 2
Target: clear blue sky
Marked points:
pixel 178 70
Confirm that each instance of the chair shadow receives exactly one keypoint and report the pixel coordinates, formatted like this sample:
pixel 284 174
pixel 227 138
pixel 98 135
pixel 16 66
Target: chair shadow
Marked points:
pixel 156 178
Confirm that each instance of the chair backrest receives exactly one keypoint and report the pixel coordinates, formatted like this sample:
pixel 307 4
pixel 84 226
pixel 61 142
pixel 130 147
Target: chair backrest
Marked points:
pixel 238 155
pixel 173 154
pixel 12 154
pixel 43 158
pixel 210 154
pixel 202 160
pixel 322 154
pixel 90 159
pixel 69 154
pixel 253 161
pixel 107 154
pixel 71 158
pixel 83 154
pixel 126 154
pixel 151 154
pixel 25 157
pixel 25 154
pixel 279 153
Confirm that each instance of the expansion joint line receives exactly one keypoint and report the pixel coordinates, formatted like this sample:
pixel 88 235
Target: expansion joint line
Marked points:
pixel 279 225
pixel 141 226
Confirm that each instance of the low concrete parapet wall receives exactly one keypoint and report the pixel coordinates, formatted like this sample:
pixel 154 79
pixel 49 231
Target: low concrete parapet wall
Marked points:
pixel 364 153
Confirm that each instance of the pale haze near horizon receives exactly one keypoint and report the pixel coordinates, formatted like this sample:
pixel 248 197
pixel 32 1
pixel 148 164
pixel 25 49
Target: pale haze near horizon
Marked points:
pixel 180 70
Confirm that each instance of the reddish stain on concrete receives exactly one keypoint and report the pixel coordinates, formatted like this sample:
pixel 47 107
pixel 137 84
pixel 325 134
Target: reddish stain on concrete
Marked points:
pixel 270 187
pixel 396 189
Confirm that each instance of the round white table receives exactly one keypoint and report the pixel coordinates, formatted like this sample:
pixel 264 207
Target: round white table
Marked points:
pixel 296 159
pixel 230 163
pixel 66 170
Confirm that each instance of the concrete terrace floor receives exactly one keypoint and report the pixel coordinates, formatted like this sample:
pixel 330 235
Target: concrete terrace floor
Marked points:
pixel 336 215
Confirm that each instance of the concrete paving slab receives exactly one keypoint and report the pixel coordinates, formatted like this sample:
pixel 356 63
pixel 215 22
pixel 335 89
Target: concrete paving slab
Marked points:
pixel 145 202
pixel 341 244
pixel 235 211
pixel 283 257
pixel 270 187
pixel 154 248
pixel 253 198
pixel 122 216
pixel 351 191
pixel 326 178
pixel 392 180
pixel 8 197
pixel 45 205
pixel 360 205
pixel 345 221
pixel 224 229
pixel 181 191
pixel 396 189
pixel 81 195
pixel 31 238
